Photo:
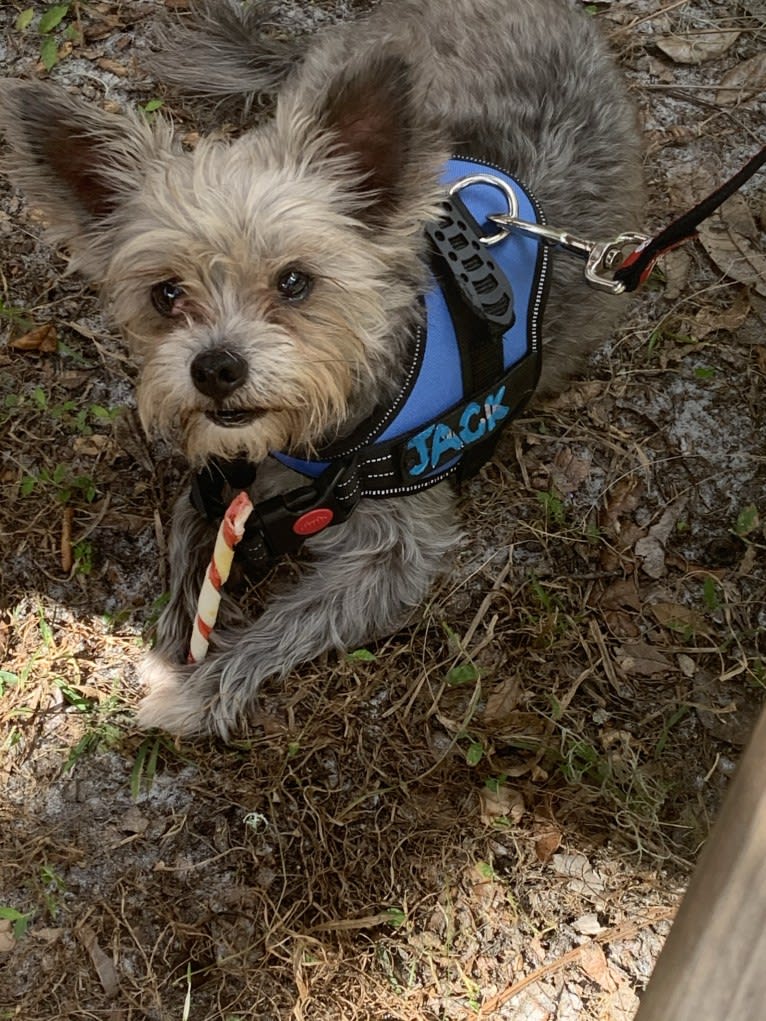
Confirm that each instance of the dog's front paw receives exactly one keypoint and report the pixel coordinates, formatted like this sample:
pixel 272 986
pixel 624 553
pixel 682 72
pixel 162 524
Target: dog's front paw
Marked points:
pixel 182 698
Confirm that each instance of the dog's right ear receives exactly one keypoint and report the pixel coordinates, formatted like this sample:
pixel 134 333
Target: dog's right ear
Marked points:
pixel 74 162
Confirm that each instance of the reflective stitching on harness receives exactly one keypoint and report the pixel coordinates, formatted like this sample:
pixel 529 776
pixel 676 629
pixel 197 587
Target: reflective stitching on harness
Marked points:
pixel 406 490
pixel 397 402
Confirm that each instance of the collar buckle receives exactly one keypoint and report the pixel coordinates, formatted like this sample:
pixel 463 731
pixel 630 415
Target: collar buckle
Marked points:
pixel 282 523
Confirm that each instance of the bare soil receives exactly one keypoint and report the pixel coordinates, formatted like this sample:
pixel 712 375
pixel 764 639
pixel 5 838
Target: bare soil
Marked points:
pixel 493 813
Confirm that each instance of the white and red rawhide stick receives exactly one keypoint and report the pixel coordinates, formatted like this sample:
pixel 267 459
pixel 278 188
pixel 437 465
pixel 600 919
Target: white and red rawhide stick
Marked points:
pixel 229 534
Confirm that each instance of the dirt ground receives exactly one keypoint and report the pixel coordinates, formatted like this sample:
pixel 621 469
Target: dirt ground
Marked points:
pixel 493 813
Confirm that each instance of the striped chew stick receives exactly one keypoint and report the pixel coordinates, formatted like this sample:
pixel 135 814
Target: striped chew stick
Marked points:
pixel 230 532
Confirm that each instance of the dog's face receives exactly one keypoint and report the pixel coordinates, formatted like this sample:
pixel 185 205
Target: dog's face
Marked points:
pixel 260 283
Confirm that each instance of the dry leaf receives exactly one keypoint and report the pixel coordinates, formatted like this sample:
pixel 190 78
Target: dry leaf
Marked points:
pixel 623 499
pixel 696 47
pixel 686 665
pixel 103 964
pixel 133 821
pixel 43 339
pixel 7 942
pixel 642 660
pixel 522 730
pixel 113 67
pixel 547 843
pixel 483 886
pixel 651 548
pixel 501 803
pixel 588 925
pixel 501 702
pixel 584 880
pixel 743 82
pixel 677 617
pixel 578 396
pixel 568 471
pixel 102 28
pixel 622 1004
pixel 737 215
pixel 621 593
pixel 729 320
pixel 67 553
pixel 90 446
pixel 595 965
pixel 620 623
pixel 730 239
pixel 676 266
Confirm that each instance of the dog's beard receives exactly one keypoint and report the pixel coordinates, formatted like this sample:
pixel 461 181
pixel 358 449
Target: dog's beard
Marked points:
pixel 299 391
pixel 294 418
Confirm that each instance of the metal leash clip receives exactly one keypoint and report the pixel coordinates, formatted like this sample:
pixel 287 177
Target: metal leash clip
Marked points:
pixel 601 257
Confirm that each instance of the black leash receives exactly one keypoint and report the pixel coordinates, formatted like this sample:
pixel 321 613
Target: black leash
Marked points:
pixel 639 264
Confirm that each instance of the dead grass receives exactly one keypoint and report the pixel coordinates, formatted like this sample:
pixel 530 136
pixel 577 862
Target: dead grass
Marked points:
pixel 487 815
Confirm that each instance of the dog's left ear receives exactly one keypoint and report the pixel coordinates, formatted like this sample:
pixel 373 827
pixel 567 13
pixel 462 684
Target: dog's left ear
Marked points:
pixel 371 115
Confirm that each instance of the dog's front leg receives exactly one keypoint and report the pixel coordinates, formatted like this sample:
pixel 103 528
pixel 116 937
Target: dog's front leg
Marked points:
pixel 189 548
pixel 372 571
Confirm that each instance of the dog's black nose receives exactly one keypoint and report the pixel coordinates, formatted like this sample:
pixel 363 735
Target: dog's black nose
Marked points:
pixel 217 373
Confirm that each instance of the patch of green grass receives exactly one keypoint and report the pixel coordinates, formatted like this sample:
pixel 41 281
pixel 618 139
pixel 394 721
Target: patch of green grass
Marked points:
pixel 624 780
pixel 474 753
pixel 69 414
pixel 53 889
pixel 462 673
pixel 15 316
pixel 150 108
pixel 7 680
pixel 665 333
pixel 747 521
pixel 73 696
pixel 83 557
pixel 61 483
pixel 145 765
pixel 710 594
pixel 20 920
pixel 678 714
pixel 704 373
pixel 361 656
pixel 146 762
pixel 53 29
pixel 553 506
pixel 396 916
pixel 98 736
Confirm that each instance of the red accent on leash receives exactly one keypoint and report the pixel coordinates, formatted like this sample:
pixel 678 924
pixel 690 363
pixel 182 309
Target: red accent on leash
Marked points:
pixel 647 267
pixel 639 264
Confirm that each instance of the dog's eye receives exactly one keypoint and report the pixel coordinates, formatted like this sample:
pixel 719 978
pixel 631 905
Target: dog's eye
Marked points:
pixel 165 295
pixel 294 284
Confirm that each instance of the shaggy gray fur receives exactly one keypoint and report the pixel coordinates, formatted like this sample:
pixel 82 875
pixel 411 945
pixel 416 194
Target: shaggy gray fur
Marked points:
pixel 339 183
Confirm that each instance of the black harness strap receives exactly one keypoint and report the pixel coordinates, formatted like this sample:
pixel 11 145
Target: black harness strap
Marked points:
pixel 481 313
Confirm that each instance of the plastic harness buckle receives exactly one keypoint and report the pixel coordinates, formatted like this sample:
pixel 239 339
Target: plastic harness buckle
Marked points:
pixel 482 286
pixel 282 523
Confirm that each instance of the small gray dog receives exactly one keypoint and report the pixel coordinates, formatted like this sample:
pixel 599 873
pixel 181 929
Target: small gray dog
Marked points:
pixel 271 289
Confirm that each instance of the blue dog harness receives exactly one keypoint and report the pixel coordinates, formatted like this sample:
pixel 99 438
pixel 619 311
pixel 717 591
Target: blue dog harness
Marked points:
pixel 474 366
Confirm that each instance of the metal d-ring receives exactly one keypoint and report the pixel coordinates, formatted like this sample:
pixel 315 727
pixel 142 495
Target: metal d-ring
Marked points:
pixel 496 182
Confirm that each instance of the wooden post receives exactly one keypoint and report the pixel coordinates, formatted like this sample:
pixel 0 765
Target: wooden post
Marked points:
pixel 713 965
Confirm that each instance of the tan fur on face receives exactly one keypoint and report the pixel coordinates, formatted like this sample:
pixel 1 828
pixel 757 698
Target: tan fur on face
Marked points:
pixel 225 223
